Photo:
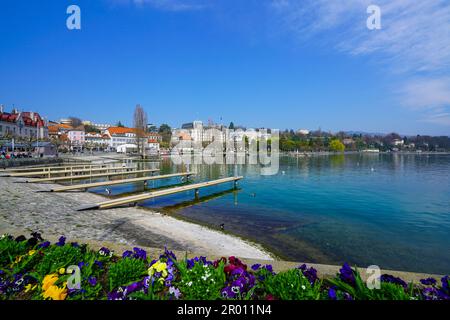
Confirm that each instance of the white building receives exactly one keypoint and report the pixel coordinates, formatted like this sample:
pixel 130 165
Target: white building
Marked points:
pixel 97 139
pixel 120 136
pixel 303 132
pixel 125 148
pixel 100 126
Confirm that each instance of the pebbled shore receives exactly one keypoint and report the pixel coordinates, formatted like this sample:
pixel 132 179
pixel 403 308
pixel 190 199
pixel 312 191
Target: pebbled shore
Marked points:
pixel 53 214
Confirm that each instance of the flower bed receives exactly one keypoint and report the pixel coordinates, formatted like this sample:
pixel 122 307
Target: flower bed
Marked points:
pixel 36 269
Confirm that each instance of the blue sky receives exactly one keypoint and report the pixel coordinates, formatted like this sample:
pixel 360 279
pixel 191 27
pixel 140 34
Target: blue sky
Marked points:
pixel 259 63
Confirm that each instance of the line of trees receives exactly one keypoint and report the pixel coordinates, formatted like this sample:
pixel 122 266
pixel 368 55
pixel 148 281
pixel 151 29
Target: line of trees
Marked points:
pixel 325 141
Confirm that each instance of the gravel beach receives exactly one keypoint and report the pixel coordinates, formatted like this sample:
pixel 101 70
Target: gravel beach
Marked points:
pixel 55 214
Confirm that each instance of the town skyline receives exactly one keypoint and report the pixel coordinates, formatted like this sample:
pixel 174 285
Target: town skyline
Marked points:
pixel 158 123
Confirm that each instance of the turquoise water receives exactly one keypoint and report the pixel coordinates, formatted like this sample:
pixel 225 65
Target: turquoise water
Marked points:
pixel 388 210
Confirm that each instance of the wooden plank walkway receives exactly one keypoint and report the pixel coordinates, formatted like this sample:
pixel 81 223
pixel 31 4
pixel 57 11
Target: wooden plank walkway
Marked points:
pixel 116 182
pixel 149 195
pixel 46 169
pixel 49 174
pixel 109 174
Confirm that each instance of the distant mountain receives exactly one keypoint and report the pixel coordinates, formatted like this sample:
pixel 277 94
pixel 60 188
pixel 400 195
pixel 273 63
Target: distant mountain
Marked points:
pixel 365 133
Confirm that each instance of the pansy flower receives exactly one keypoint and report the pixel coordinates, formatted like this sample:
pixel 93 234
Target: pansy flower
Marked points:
pixel 175 292
pixel 92 281
pixel 346 274
pixel 309 273
pixel 139 253
pixel 391 279
pixel 44 245
pixel 256 266
pixel 332 294
pixel 61 241
pixel 105 252
pixel 428 281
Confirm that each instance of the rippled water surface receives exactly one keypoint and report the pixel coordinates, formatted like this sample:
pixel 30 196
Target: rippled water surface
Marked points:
pixel 388 210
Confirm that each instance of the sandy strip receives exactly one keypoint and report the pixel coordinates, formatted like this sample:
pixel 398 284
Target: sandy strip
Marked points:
pixel 55 214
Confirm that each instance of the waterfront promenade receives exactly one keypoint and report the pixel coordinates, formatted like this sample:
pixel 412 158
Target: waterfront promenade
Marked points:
pixel 55 214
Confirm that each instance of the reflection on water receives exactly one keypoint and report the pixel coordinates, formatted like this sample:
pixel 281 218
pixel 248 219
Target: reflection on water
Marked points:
pixel 389 210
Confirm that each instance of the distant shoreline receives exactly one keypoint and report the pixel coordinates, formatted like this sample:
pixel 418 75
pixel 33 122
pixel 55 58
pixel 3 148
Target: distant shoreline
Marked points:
pixel 330 153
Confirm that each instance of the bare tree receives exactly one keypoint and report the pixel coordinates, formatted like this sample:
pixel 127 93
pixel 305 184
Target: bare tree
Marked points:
pixel 140 126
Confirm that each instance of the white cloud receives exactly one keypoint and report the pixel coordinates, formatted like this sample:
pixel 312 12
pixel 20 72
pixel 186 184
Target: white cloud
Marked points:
pixel 440 119
pixel 415 35
pixel 414 42
pixel 426 93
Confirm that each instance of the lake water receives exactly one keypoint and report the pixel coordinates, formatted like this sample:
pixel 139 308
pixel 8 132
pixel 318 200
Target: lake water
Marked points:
pixel 390 210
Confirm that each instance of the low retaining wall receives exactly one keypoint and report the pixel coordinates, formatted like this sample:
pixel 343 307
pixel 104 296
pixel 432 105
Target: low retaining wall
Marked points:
pixel 19 162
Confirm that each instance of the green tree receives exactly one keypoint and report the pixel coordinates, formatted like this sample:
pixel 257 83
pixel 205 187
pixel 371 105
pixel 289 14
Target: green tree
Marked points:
pixel 166 132
pixel 119 124
pixel 89 128
pixel 231 126
pixel 337 145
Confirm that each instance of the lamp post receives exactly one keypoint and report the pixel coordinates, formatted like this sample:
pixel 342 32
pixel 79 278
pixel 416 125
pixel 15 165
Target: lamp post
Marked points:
pixel 37 138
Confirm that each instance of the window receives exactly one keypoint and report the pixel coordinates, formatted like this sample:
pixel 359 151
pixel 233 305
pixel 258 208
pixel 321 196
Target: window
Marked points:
pixel 1 128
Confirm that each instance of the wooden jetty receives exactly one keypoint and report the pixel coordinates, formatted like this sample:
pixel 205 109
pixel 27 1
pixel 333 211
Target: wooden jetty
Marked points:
pixel 89 176
pixel 71 171
pixel 46 169
pixel 149 195
pixel 116 182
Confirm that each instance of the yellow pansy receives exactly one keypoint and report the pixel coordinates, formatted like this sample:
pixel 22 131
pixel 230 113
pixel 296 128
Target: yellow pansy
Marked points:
pixel 55 293
pixel 158 267
pixel 31 252
pixel 30 287
pixel 49 280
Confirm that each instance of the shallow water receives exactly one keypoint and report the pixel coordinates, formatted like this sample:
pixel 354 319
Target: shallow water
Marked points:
pixel 389 210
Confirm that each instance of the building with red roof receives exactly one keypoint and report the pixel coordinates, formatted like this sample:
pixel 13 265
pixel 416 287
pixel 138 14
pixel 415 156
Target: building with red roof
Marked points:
pixel 16 124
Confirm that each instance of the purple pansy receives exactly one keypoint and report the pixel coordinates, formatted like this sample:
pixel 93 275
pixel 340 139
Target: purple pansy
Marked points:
pixel 44 245
pixel 332 294
pixel 309 273
pixel 139 253
pixel 428 281
pixel 92 281
pixel 346 274
pixel 391 279
pixel 256 266
pixel 61 241
pixel 104 251
pixel 175 292
pixel 127 254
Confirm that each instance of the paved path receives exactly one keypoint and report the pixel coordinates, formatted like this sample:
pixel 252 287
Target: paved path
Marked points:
pixel 54 214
